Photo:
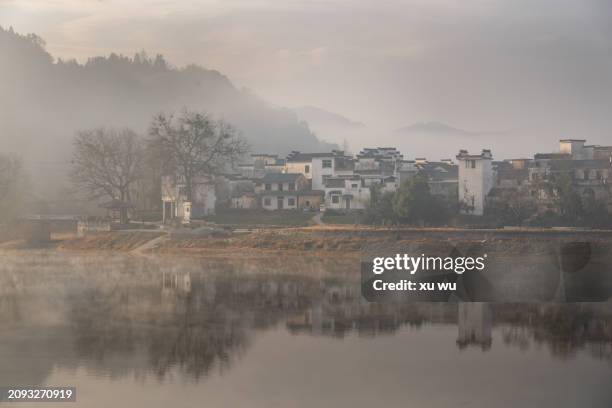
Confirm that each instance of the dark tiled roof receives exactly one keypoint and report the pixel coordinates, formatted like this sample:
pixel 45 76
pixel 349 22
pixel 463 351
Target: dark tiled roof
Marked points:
pixel 291 193
pixel 276 193
pixel 552 156
pixel 369 171
pixel 439 171
pixel 564 165
pixel 306 157
pixel 311 192
pixel 281 177
pixel 510 173
pixel 334 182
pixel 344 163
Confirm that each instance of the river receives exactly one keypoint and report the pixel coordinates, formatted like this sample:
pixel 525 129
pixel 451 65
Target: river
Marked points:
pixel 153 331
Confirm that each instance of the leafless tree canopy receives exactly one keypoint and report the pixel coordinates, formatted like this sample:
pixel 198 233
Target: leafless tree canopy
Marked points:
pixel 106 163
pixel 193 145
pixel 12 186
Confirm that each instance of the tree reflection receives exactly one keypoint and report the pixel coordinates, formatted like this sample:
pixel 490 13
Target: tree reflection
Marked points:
pixel 139 316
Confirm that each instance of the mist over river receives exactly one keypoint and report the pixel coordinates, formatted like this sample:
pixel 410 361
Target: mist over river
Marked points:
pixel 286 331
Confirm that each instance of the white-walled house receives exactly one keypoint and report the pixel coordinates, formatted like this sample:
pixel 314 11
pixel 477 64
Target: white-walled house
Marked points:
pixel 287 191
pixel 318 166
pixel 301 163
pixel 383 161
pixel 260 164
pixel 334 165
pixel 346 193
pixel 175 204
pixel 475 180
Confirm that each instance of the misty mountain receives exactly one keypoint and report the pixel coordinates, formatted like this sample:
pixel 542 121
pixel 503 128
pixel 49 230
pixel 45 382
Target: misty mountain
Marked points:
pixel 318 117
pixel 43 102
pixel 441 130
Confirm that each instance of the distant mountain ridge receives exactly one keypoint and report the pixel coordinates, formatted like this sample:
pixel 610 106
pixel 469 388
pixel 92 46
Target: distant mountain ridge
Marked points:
pixel 441 129
pixel 45 101
pixel 321 117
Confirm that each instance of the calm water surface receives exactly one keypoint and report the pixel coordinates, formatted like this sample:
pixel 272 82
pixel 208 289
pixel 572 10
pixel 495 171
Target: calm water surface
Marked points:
pixel 282 332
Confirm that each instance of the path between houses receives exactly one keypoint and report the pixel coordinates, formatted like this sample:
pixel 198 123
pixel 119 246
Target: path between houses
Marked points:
pixel 318 219
pixel 149 245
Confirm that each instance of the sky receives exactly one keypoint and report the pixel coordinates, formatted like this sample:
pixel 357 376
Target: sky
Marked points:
pixel 540 70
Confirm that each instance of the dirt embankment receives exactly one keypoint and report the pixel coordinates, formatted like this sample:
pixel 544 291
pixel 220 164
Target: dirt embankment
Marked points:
pixel 340 241
pixel 116 241
pixel 280 240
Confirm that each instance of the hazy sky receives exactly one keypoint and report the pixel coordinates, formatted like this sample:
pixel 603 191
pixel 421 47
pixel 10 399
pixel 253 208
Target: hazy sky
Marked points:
pixel 541 68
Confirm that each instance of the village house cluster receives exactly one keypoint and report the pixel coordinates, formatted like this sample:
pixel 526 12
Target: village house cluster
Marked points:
pixel 339 181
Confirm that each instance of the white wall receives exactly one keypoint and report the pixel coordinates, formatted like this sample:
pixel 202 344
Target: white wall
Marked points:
pixel 319 172
pixel 273 205
pixel 475 183
pixel 359 200
pixel 299 167
pixel 572 147
pixel 203 203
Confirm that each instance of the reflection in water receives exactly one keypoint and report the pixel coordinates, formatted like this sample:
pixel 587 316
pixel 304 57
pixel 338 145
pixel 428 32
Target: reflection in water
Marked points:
pixel 190 319
pixel 475 324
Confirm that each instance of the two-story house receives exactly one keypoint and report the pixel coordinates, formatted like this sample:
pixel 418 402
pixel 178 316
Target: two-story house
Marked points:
pixel 177 205
pixel 475 180
pixel 316 167
pixel 346 193
pixel 287 191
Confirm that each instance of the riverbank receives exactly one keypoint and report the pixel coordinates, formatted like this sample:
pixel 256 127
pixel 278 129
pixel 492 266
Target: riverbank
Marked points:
pixel 338 240
pixel 535 257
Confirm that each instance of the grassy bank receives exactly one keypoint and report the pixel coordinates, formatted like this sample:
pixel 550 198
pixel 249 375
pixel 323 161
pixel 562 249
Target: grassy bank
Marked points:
pixel 339 240
pixel 333 218
pixel 259 217
pixel 116 241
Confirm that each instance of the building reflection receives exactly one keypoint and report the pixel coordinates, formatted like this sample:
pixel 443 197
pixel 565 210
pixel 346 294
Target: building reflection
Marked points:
pixel 140 317
pixel 475 325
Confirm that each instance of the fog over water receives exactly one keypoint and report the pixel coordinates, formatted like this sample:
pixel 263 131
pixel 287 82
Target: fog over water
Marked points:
pixel 130 330
pixel 281 321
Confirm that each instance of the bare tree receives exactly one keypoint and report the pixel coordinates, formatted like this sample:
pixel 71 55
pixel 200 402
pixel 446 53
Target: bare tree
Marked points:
pixel 193 145
pixel 12 186
pixel 107 163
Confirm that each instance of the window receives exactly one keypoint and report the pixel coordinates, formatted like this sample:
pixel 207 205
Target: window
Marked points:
pixel 267 201
pixel 292 186
pixel 291 202
pixel 307 169
pixel 280 186
pixel 268 186
pixel 470 164
pixel 335 199
pixel 327 164
pixel 354 185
